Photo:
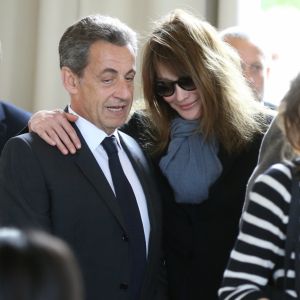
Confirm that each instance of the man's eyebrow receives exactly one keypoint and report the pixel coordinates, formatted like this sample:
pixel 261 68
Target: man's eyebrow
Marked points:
pixel 113 71
pixel 109 70
pixel 131 71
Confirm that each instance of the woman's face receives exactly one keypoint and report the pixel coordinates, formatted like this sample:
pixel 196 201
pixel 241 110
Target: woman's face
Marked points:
pixel 186 103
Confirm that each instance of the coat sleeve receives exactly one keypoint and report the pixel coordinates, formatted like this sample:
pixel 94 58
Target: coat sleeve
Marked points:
pixel 24 200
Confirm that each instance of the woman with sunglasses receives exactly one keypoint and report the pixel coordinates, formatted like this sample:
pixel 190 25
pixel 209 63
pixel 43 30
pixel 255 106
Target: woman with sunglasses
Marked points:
pixel 203 130
pixel 206 133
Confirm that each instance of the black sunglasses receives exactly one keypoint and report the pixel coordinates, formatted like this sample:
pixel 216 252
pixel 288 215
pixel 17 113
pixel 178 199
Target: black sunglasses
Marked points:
pixel 166 88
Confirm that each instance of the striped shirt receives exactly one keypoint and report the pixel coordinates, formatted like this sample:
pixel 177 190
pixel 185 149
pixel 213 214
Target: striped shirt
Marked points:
pixel 257 258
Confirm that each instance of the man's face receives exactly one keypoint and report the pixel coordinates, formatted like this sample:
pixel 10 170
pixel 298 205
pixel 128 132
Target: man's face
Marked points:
pixel 253 63
pixel 104 92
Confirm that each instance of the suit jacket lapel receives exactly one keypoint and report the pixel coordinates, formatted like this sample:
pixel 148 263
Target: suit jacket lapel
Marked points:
pixel 90 168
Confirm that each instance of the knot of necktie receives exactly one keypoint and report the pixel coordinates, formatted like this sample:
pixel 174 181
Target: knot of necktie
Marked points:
pixel 109 145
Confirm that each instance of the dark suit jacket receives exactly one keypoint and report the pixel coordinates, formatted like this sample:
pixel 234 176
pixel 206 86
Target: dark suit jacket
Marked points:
pixel 12 120
pixel 70 197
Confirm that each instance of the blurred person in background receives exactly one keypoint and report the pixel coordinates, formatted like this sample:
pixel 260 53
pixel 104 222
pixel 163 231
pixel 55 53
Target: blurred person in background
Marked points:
pixel 35 265
pixel 255 59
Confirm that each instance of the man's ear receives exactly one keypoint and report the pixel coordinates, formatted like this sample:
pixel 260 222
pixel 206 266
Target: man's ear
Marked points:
pixel 70 80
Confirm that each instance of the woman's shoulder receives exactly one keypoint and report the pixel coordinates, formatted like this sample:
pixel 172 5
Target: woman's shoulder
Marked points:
pixel 272 188
pixel 264 118
pixel 136 124
pixel 140 128
pixel 283 167
pixel 277 174
pixel 254 143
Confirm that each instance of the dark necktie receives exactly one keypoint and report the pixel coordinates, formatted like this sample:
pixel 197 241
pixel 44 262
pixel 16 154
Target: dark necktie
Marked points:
pixel 132 217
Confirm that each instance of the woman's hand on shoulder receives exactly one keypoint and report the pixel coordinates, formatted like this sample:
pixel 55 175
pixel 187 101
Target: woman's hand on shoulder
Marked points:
pixel 54 127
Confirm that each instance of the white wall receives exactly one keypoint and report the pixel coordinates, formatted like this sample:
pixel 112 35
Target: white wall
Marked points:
pixel 237 12
pixel 30 31
pixel 18 29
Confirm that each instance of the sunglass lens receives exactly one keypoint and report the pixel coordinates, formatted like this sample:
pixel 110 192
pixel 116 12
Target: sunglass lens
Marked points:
pixel 187 83
pixel 164 89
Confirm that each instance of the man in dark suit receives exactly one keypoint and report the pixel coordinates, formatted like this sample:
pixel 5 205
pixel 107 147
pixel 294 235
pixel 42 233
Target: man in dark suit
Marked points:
pixel 75 197
pixel 12 121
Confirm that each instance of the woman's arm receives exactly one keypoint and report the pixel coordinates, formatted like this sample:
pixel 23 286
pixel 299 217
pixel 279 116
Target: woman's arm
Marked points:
pixel 55 129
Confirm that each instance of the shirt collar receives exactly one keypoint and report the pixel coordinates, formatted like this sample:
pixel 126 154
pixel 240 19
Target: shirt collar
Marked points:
pixel 92 135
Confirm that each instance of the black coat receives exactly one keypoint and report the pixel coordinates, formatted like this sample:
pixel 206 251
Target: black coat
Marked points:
pixel 198 238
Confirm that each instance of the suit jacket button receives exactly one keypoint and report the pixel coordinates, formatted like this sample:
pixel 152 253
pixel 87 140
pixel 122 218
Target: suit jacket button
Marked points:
pixel 124 237
pixel 123 286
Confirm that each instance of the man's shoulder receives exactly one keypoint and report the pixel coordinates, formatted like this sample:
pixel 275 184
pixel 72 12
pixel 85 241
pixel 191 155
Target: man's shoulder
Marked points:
pixel 31 141
pixel 25 138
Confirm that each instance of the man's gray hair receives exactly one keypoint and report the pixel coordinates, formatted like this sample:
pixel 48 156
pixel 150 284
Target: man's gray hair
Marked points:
pixel 257 38
pixel 76 41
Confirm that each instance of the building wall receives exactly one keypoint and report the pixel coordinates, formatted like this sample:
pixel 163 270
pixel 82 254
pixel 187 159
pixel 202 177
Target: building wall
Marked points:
pixel 30 31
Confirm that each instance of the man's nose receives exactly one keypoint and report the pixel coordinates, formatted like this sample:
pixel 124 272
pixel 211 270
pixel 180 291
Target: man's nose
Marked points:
pixel 124 89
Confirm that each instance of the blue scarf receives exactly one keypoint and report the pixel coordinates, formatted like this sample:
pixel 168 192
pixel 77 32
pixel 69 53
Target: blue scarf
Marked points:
pixel 191 164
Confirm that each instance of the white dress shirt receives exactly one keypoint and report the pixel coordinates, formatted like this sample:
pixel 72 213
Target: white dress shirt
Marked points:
pixel 94 136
